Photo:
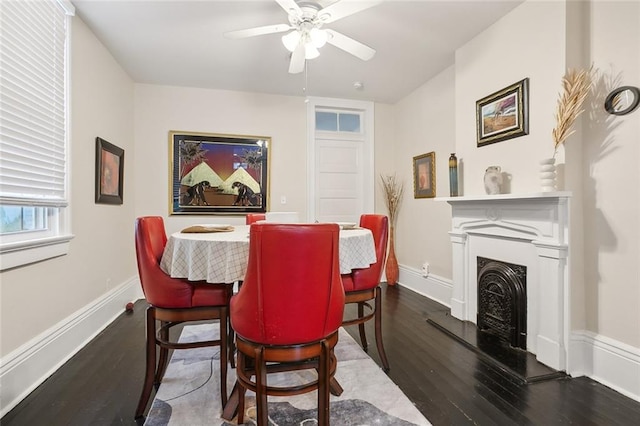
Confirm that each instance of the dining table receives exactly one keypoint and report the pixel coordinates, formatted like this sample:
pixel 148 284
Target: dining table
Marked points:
pixel 220 254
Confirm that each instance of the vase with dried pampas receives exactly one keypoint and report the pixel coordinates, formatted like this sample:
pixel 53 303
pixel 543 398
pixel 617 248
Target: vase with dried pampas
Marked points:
pixel 576 85
pixel 393 190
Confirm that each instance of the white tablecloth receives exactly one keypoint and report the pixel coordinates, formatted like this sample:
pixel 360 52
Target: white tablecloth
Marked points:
pixel 222 257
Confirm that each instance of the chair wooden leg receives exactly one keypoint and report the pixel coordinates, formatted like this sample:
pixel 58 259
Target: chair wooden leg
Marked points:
pixel 163 359
pixel 378 330
pixel 223 355
pixel 232 346
pixel 261 388
pixel 323 385
pixel 232 338
pixel 363 336
pixel 241 389
pixel 150 363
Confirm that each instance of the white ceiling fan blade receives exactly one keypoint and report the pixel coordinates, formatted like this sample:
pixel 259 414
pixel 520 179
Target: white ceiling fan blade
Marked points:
pixel 296 65
pixel 251 32
pixel 290 6
pixel 344 8
pixel 350 45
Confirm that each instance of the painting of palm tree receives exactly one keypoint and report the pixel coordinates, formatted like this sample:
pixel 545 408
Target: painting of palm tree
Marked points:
pixel 189 153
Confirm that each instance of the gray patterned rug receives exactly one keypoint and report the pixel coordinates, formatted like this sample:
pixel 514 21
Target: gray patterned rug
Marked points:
pixel 189 394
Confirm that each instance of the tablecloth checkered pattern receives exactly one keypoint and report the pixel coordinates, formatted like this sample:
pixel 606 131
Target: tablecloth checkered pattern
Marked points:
pixel 222 257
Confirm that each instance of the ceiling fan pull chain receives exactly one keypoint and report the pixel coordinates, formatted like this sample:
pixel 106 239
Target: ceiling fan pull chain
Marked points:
pixel 306 77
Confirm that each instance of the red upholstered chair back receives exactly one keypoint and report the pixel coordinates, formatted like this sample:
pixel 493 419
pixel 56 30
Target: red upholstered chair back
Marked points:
pixel 159 289
pixel 254 217
pixel 292 291
pixel 370 277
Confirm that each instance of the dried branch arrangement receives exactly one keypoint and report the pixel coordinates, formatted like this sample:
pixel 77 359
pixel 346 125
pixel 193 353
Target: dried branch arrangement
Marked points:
pixel 393 190
pixel 575 88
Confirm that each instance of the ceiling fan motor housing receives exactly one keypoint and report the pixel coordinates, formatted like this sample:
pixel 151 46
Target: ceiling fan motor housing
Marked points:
pixel 308 18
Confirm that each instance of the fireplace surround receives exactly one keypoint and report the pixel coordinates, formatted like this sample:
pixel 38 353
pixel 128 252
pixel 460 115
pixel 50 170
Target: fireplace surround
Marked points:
pixel 528 230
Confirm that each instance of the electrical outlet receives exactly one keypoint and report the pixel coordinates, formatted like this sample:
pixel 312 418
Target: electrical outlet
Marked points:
pixel 283 199
pixel 425 269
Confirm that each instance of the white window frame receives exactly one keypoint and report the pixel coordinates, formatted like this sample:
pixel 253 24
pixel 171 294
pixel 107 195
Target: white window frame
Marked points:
pixel 23 248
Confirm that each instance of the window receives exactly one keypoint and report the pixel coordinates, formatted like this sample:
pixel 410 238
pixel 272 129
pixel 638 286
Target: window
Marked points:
pixel 33 130
pixel 332 121
pixel 20 219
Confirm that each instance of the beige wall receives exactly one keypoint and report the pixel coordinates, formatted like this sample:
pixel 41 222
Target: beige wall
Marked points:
pixel 611 175
pixel 37 297
pixel 384 149
pixel 160 109
pixel 512 49
pixel 425 122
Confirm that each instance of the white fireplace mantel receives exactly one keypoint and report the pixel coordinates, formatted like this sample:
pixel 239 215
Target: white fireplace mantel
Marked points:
pixel 530 230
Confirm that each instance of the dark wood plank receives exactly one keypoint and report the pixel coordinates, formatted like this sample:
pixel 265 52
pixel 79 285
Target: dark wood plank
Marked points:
pixel 448 382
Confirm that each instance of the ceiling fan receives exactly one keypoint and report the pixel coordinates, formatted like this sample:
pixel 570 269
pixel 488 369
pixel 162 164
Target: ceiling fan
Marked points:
pixel 306 20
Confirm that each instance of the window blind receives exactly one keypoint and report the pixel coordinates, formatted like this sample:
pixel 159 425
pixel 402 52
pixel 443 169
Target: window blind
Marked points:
pixel 33 96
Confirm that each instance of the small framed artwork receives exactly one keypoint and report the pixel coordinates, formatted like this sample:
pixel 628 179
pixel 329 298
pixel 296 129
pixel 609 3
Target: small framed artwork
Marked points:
pixel 218 174
pixel 109 172
pixel 424 175
pixel 504 114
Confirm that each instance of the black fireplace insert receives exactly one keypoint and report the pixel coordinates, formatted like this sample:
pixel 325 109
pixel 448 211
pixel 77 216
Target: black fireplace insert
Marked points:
pixel 502 301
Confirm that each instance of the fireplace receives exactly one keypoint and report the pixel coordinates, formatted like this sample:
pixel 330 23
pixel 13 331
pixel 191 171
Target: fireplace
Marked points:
pixel 529 232
pixel 502 301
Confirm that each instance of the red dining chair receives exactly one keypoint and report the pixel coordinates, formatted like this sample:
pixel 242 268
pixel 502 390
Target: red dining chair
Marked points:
pixel 254 217
pixel 174 301
pixel 361 286
pixel 288 311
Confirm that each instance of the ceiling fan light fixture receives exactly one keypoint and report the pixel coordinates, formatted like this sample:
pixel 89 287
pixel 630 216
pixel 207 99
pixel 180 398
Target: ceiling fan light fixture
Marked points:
pixel 291 40
pixel 310 51
pixel 318 37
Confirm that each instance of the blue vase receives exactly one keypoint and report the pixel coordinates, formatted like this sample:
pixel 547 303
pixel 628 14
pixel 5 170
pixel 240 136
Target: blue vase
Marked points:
pixel 453 175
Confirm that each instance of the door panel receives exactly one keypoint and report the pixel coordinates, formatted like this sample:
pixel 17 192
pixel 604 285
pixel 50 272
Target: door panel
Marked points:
pixel 339 180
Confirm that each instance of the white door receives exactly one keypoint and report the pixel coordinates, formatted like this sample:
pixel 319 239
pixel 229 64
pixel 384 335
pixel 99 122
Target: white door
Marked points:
pixel 341 183
pixel 339 180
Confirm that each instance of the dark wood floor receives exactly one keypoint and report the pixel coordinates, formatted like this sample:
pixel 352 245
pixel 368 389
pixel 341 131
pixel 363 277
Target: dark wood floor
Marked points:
pixel 448 382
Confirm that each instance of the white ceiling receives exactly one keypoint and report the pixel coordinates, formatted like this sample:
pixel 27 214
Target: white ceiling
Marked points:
pixel 180 43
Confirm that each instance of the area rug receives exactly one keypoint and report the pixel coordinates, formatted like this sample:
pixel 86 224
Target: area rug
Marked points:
pixel 190 391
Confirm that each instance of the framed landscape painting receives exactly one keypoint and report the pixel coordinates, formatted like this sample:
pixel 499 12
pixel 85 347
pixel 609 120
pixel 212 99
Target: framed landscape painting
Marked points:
pixel 504 114
pixel 218 174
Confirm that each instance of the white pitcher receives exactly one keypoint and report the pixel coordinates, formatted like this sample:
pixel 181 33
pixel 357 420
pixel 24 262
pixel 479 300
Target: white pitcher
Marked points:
pixel 493 180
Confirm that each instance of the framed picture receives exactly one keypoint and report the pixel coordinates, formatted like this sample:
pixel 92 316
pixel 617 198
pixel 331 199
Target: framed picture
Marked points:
pixel 424 176
pixel 218 174
pixel 109 172
pixel 504 114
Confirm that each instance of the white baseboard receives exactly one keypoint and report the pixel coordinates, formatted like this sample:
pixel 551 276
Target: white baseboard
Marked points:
pixel 432 286
pixel 24 369
pixel 610 362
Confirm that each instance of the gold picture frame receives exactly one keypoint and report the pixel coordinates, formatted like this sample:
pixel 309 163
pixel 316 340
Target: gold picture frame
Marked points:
pixel 213 173
pixel 424 175
pixel 504 114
